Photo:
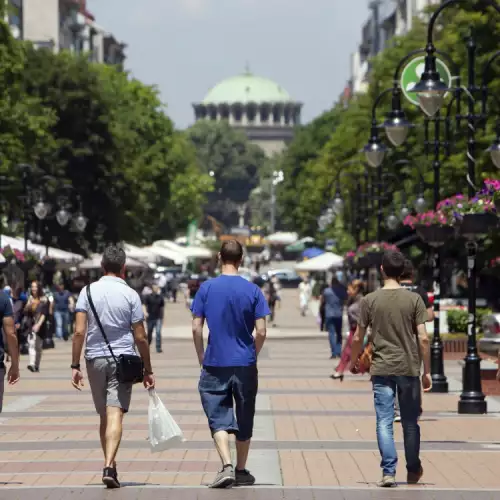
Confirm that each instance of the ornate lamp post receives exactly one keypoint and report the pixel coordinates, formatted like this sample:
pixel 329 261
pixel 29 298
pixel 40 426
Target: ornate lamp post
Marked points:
pixel 431 90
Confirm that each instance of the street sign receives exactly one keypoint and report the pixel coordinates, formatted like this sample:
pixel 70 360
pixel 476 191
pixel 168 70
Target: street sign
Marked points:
pixel 412 72
pixel 330 245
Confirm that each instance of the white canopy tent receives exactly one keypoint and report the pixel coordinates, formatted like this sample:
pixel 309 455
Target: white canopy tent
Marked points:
pixel 190 252
pixel 142 254
pixel 282 238
pixel 165 253
pixel 2 259
pixel 323 262
pixel 41 250
pixel 94 262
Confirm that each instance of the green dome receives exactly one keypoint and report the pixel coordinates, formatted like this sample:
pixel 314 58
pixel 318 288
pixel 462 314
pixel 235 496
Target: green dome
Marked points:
pixel 246 88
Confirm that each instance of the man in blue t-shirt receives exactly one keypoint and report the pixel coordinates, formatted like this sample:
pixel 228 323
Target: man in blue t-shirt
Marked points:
pixel 233 308
pixel 9 332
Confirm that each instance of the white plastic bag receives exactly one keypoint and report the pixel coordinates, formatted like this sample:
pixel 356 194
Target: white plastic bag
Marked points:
pixel 164 432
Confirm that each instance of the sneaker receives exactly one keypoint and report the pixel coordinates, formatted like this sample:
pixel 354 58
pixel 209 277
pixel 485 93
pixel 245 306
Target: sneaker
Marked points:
pixel 33 369
pixel 387 482
pixel 244 478
pixel 224 478
pixel 414 477
pixel 110 478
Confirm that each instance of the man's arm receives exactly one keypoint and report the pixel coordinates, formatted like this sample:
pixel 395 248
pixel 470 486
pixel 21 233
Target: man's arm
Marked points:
pixel 9 330
pixel 141 341
pixel 260 334
pixel 357 344
pixel 197 327
pixel 79 336
pixel 423 342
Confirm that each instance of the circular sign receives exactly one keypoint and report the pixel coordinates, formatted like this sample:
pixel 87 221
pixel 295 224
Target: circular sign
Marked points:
pixel 412 73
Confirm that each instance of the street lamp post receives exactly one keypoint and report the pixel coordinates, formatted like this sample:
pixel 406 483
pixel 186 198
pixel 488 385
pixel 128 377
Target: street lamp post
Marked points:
pixel 277 178
pixel 431 91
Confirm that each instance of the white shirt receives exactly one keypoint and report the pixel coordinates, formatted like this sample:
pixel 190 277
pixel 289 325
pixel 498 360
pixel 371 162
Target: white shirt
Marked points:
pixel 118 307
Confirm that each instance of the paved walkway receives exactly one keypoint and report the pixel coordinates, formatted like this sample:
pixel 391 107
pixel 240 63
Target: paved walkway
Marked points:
pixel 314 438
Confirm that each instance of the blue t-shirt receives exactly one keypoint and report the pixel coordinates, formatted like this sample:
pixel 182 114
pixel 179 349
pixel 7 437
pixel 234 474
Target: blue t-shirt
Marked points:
pixel 334 298
pixel 5 312
pixel 231 305
pixel 61 300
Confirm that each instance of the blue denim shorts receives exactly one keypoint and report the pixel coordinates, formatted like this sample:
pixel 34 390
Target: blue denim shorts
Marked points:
pixel 228 397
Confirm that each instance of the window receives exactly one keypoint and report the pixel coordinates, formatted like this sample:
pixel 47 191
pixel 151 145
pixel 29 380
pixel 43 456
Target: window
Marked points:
pixel 15 14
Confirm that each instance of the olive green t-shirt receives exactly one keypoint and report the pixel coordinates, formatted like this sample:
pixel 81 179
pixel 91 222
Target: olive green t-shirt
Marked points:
pixel 393 315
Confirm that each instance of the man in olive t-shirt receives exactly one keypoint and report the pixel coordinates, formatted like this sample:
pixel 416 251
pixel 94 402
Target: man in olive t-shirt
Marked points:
pixel 400 343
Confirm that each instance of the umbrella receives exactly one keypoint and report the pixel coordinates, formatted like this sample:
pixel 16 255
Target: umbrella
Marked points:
pixel 323 262
pixel 300 245
pixel 310 253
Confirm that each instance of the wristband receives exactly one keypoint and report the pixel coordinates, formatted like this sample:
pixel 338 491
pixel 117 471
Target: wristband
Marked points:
pixel 76 367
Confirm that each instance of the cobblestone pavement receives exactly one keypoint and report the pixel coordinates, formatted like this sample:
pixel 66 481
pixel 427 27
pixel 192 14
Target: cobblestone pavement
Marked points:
pixel 314 437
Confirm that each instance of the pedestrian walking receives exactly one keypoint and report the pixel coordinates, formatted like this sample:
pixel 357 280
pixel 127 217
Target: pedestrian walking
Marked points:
pixel 36 313
pixel 355 291
pixel 154 307
pixel 9 333
pixel 233 308
pixel 407 281
pixel 334 298
pixel 62 305
pixel 109 317
pixel 304 295
pixel 397 318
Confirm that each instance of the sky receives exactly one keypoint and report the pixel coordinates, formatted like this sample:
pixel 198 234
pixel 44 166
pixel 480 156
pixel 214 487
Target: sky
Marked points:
pixel 185 47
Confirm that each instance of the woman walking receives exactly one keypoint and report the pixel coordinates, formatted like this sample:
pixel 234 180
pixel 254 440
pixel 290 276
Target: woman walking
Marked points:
pixel 36 312
pixel 355 291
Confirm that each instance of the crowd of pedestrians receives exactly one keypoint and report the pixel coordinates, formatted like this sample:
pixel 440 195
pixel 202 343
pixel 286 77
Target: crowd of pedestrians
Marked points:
pixel 387 337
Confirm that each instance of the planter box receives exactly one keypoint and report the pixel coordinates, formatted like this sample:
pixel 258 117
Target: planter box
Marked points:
pixel 477 225
pixel 435 235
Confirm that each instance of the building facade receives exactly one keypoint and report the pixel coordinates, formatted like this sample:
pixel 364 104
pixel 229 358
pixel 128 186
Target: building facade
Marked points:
pixel 388 18
pixel 63 25
pixel 258 106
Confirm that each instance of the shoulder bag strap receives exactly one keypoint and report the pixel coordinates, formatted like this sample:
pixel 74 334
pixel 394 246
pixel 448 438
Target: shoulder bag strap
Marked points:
pixel 99 324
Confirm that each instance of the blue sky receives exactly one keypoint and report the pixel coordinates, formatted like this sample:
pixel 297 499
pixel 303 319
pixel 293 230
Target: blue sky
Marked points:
pixel 184 47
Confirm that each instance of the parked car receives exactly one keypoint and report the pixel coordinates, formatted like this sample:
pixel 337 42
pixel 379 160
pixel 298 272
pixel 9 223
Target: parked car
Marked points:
pixel 288 278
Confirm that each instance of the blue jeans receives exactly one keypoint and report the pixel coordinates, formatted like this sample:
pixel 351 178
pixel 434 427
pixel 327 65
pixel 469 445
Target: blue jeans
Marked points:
pixel 334 328
pixel 155 324
pixel 62 323
pixel 408 391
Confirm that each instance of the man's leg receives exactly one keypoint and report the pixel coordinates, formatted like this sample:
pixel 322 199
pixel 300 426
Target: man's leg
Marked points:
pixel 409 403
pixel 113 434
pixel 59 324
pixel 65 325
pixel 158 326
pixel 151 325
pixel 245 386
pixel 330 328
pixel 217 401
pixel 383 391
pixel 2 387
pixel 338 336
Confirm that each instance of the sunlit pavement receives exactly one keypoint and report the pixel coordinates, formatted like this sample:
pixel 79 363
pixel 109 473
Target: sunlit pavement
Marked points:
pixel 314 437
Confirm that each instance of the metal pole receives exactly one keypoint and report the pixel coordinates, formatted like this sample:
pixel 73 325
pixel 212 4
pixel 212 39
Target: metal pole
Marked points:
pixel 439 381
pixel 367 205
pixel 273 204
pixel 379 210
pixel 472 399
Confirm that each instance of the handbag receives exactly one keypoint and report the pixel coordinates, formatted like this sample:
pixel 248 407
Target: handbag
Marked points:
pixel 365 358
pixel 129 367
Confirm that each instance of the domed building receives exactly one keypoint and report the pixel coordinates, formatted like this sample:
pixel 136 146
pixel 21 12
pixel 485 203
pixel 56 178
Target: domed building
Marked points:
pixel 262 108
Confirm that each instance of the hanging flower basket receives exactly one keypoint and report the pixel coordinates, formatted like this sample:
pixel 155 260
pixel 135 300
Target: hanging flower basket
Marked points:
pixel 435 234
pixel 477 225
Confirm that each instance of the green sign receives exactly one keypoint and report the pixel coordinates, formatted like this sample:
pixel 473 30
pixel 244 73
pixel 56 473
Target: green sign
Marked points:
pixel 191 233
pixel 412 72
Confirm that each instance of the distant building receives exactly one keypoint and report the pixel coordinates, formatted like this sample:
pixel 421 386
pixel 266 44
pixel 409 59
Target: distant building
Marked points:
pixel 388 18
pixel 260 107
pixel 63 25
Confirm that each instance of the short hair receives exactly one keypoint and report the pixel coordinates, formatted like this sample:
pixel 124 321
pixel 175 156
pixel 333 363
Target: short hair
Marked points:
pixel 393 263
pixel 335 281
pixel 409 271
pixel 113 259
pixel 231 251
pixel 359 286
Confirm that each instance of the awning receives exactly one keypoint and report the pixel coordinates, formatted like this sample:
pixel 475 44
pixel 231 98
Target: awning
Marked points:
pixel 311 253
pixel 167 254
pixel 41 250
pixel 282 238
pixel 190 252
pixel 299 246
pixel 142 254
pixel 323 262
pixel 94 262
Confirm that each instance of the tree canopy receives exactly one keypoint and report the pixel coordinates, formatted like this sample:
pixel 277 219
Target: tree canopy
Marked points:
pixel 232 161
pixel 105 134
pixel 314 161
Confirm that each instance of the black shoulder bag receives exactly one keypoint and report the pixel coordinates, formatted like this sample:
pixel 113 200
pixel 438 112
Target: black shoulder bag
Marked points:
pixel 129 367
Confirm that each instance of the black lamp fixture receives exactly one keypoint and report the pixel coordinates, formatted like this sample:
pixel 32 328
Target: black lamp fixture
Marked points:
pixel 375 150
pixel 420 204
pixel 392 222
pixel 396 125
pixel 430 89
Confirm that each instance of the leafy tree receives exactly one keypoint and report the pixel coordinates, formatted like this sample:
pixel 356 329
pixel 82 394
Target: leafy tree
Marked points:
pixel 234 163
